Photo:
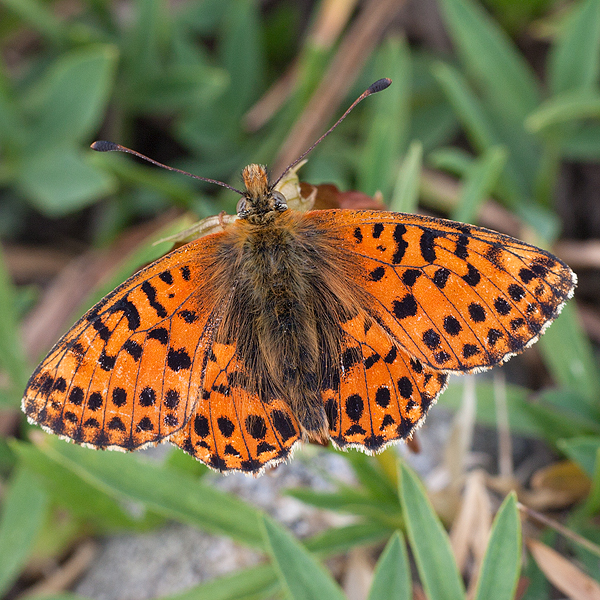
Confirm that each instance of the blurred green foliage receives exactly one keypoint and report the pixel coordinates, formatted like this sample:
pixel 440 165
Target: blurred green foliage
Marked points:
pixel 175 83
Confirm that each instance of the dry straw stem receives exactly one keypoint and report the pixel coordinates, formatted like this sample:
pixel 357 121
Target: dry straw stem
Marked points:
pixel 563 574
pixel 63 577
pixel 471 528
pixel 331 19
pixel 353 52
pixel 580 255
pixel 575 537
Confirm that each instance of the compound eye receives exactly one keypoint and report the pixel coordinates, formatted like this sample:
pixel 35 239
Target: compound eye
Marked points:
pixel 280 201
pixel 242 206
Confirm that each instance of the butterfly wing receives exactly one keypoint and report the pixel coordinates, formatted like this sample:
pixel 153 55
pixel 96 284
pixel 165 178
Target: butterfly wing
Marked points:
pixel 383 394
pixel 458 298
pixel 127 373
pixel 232 428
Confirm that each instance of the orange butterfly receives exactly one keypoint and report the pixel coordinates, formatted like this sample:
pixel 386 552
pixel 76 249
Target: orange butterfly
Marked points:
pixel 286 326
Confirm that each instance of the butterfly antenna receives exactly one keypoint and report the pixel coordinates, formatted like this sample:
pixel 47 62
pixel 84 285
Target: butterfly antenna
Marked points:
pixel 378 86
pixel 102 146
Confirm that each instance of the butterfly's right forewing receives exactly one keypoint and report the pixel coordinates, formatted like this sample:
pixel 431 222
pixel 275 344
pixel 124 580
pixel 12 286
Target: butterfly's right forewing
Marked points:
pixel 127 373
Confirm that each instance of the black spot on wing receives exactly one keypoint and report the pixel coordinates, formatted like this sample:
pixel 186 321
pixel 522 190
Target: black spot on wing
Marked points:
pixel 76 396
pixel 410 276
pixel 401 244
pixel 150 291
pixel 440 277
pixel 178 360
pixel 119 396
pixel 473 277
pixel 377 274
pixel 133 349
pixel 427 245
pixel 407 307
pixel 129 311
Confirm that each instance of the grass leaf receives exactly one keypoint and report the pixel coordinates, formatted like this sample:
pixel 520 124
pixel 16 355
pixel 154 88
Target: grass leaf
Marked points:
pixel 392 579
pixel 23 512
pixel 172 494
pixel 574 60
pixel 479 183
pixel 388 120
pixel 502 560
pixel 405 196
pixel 500 70
pixel 569 355
pixel 68 104
pixel 299 572
pixel 428 541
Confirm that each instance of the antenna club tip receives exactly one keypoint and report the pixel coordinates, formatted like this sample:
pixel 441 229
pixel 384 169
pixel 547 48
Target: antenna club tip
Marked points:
pixel 103 146
pixel 379 85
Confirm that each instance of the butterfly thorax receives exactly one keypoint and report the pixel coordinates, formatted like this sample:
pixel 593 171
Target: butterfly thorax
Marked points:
pixel 260 203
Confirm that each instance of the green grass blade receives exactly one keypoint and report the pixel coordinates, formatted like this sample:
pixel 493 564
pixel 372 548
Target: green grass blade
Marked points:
pixel 406 191
pixel 11 354
pixel 479 183
pixel 68 104
pixel 23 512
pixel 592 502
pixel 61 180
pixel 502 561
pixel 67 490
pixel 428 541
pixel 574 60
pixel 392 574
pixel 583 450
pixel 348 500
pixel 57 596
pixel 242 55
pixel 372 477
pixel 299 572
pixel 569 355
pixel 492 59
pixel 342 539
pixel 467 106
pixel 169 493
pixel 40 17
pixel 573 106
pixel 233 586
pixel 388 118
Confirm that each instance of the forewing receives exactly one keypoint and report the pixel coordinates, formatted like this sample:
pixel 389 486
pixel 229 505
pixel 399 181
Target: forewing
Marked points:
pixel 231 428
pixel 457 297
pixel 127 373
pixel 383 394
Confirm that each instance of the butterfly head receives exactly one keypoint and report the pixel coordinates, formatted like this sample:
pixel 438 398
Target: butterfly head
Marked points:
pixel 260 203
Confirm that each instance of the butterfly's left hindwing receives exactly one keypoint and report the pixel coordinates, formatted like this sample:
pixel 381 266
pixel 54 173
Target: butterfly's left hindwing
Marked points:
pixel 456 297
pixel 231 427
pixel 127 373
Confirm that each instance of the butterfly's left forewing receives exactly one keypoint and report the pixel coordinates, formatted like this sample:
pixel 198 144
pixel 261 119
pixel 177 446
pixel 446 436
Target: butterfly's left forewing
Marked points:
pixel 456 297
pixel 127 373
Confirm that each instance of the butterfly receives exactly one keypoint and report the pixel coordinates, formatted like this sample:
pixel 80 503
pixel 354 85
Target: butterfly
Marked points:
pixel 283 326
